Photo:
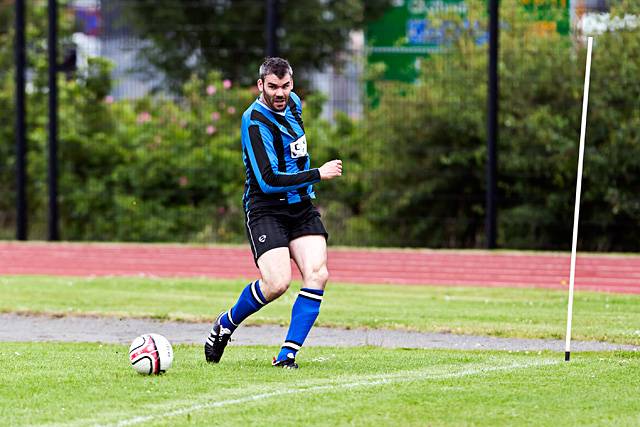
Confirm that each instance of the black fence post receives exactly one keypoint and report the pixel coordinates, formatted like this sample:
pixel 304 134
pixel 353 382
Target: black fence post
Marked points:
pixel 21 112
pixel 492 125
pixel 272 27
pixel 53 121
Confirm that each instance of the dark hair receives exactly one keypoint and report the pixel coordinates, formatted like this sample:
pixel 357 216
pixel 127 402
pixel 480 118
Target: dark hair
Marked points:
pixel 277 66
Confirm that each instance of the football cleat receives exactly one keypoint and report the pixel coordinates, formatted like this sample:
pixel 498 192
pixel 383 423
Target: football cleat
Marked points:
pixel 216 341
pixel 288 363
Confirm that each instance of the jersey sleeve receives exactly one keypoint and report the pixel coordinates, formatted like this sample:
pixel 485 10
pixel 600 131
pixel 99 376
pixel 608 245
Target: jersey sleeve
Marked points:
pixel 264 162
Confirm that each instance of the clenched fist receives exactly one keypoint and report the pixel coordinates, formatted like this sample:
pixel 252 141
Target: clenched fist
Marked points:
pixel 331 169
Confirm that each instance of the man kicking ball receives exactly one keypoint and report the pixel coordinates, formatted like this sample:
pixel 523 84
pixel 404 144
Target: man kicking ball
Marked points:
pixel 281 221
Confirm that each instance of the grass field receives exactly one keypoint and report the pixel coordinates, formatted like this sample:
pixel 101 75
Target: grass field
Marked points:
pixel 84 384
pixel 89 384
pixel 504 312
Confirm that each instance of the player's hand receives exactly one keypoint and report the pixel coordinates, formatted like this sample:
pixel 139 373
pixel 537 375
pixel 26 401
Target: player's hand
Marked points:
pixel 331 169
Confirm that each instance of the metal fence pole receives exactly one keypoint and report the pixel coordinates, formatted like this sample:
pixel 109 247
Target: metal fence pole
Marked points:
pixel 271 28
pixel 492 125
pixel 53 121
pixel 21 112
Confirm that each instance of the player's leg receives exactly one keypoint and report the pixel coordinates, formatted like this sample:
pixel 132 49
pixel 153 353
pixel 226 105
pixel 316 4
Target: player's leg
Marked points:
pixel 310 254
pixel 269 243
pixel 275 276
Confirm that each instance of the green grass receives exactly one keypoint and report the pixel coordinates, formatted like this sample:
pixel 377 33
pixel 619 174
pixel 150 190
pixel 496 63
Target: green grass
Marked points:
pixel 531 313
pixel 85 384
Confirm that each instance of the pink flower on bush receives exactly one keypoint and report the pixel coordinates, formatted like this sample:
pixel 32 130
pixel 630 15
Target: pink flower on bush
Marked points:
pixel 144 117
pixel 108 99
pixel 231 110
pixel 183 123
pixel 222 210
pixel 227 84
pixel 215 116
pixel 211 90
pixel 211 130
pixel 183 181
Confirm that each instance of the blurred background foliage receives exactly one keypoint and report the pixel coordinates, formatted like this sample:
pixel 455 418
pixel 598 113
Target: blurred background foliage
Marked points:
pixel 167 166
pixel 192 37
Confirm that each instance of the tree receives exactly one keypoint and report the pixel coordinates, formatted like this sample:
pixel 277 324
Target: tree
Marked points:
pixel 427 149
pixel 194 37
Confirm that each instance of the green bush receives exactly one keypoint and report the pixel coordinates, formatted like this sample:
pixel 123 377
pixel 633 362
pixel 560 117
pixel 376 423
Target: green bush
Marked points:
pixel 152 169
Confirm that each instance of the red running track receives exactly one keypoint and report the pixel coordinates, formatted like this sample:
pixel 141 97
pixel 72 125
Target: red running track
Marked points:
pixel 607 273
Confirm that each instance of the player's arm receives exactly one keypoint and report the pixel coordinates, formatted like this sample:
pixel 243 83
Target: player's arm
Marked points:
pixel 265 165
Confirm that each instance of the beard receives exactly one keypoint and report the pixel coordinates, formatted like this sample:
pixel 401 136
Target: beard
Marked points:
pixel 277 103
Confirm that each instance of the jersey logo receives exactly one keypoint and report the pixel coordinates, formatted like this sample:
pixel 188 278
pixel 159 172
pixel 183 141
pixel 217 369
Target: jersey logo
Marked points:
pixel 262 238
pixel 299 147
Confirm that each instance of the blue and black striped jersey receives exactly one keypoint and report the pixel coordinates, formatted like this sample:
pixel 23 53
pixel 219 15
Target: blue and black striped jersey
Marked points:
pixel 274 150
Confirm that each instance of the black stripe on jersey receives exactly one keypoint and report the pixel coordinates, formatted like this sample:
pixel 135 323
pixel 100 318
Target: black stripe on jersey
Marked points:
pixel 252 175
pixel 296 113
pixel 301 163
pixel 270 178
pixel 258 116
pixel 284 122
pixel 254 188
pixel 279 146
pixel 277 138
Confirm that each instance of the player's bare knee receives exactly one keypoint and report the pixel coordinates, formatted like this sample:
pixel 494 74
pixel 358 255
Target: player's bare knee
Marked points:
pixel 318 276
pixel 275 287
pixel 281 287
pixel 323 274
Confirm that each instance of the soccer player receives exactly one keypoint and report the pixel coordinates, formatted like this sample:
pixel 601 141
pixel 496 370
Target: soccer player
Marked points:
pixel 281 221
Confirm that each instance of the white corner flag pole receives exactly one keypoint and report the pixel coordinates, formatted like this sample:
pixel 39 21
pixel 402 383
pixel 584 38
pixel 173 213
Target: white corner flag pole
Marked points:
pixel 576 214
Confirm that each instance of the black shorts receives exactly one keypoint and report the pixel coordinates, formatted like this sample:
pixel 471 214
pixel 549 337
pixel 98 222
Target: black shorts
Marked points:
pixel 274 227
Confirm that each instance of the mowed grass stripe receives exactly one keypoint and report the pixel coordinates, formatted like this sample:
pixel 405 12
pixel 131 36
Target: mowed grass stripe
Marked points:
pixel 502 312
pixel 361 381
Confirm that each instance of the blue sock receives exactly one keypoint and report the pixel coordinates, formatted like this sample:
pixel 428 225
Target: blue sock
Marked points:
pixel 250 301
pixel 303 314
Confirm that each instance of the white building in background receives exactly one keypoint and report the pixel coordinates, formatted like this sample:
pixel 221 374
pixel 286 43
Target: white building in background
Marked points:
pixel 592 17
pixel 343 87
pixel 103 35
pixel 580 7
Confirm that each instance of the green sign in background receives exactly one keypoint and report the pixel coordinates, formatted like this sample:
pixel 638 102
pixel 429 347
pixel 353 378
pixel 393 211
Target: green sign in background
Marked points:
pixel 404 35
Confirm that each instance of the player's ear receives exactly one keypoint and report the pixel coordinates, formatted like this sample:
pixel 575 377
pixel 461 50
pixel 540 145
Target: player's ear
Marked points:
pixel 260 84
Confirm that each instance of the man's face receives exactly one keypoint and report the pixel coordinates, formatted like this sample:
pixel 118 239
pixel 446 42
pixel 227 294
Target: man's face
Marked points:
pixel 275 91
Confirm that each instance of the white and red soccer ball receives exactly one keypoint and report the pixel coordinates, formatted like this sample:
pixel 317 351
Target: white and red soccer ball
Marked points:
pixel 151 354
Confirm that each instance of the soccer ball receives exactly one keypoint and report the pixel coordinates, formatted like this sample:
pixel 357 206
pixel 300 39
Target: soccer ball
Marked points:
pixel 151 354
